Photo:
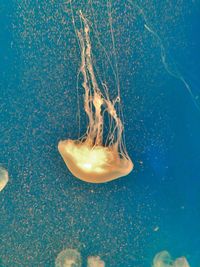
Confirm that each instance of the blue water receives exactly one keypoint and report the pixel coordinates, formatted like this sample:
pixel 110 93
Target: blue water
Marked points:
pixel 43 208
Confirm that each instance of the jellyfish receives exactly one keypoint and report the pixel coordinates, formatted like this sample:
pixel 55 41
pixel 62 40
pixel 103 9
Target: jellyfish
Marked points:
pixel 163 259
pixel 181 262
pixel 95 261
pixel 95 158
pixel 68 258
pixel 3 178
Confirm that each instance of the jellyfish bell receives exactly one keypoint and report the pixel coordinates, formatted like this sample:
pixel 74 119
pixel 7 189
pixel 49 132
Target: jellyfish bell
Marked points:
pixel 3 178
pixel 95 261
pixel 97 164
pixel 68 258
pixel 181 262
pixel 94 158
pixel 164 259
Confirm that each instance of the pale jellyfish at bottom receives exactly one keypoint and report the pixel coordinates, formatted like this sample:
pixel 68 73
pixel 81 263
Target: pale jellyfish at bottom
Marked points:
pixel 164 259
pixel 68 258
pixel 3 178
pixel 95 261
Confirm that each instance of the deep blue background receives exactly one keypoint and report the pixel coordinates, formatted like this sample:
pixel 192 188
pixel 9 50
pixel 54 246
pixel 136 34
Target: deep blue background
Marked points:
pixel 44 209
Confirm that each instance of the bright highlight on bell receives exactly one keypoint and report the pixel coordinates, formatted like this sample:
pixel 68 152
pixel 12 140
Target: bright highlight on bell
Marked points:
pixel 90 158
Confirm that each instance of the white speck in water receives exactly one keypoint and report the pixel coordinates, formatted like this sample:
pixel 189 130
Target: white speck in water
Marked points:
pixel 156 229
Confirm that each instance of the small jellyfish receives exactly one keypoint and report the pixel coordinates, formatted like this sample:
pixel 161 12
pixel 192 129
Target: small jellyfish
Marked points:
pixel 164 259
pixel 68 258
pixel 95 261
pixel 181 262
pixel 3 178
pixel 96 158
